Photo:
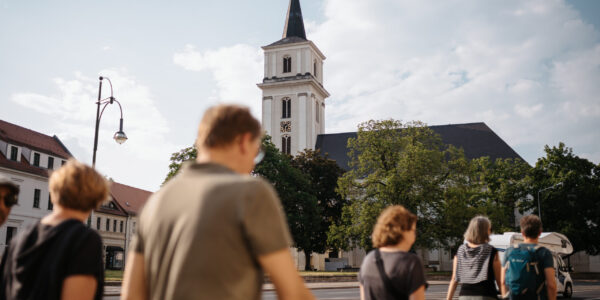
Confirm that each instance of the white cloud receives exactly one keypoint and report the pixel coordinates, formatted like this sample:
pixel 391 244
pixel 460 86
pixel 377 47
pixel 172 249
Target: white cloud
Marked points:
pixel 141 161
pixel 530 70
pixel 236 70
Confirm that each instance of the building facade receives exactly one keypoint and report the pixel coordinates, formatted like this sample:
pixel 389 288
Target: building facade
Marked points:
pixel 26 157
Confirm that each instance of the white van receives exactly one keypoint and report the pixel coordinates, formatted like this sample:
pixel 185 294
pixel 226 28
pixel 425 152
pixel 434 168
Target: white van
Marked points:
pixel 557 243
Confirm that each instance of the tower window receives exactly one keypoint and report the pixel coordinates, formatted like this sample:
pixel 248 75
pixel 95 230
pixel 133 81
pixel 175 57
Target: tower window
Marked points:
pixel 286 108
pixel 317 112
pixel 107 224
pixel 287 64
pixel 50 162
pixel 315 68
pixel 98 223
pixel 286 144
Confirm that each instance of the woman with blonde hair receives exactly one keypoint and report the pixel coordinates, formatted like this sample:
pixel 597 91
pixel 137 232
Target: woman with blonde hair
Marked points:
pixel 476 265
pixel 391 271
pixel 60 257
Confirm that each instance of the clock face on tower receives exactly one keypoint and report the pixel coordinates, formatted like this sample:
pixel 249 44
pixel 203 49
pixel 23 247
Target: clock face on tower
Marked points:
pixel 286 126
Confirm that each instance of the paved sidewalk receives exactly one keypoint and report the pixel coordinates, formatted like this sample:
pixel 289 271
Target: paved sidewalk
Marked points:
pixel 115 290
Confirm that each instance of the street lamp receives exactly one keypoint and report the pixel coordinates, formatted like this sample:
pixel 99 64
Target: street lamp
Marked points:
pixel 120 136
pixel 539 191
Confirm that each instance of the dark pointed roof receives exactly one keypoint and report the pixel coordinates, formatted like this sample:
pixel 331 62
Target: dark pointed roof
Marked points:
pixel 294 24
pixel 293 31
pixel 476 139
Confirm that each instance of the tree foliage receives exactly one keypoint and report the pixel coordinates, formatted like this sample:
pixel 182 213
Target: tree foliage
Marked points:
pixel 571 202
pixel 407 164
pixel 178 158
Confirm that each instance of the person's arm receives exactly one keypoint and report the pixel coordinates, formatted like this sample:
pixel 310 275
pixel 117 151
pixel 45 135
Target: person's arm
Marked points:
pixel 362 292
pixel 503 289
pixel 134 282
pixel 280 267
pixel 79 287
pixel 419 294
pixel 453 282
pixel 550 283
pixel 497 271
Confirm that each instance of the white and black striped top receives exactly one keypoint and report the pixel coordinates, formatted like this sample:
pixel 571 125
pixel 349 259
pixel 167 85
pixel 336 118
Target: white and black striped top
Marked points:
pixel 473 263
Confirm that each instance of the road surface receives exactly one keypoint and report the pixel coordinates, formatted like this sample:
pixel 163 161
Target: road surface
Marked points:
pixel 582 290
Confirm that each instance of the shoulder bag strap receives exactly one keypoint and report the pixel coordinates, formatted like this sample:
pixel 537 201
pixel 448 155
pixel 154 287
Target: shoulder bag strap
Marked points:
pixel 387 283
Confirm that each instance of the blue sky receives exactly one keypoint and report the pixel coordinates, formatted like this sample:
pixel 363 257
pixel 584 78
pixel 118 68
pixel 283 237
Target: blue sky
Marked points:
pixel 529 69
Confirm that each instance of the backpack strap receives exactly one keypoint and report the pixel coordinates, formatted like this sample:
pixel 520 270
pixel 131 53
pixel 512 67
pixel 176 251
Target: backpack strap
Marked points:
pixel 387 283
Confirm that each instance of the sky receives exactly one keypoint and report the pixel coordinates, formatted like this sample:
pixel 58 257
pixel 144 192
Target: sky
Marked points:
pixel 529 69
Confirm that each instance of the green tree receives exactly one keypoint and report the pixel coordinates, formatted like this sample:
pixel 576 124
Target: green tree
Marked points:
pixel 572 205
pixel 323 174
pixel 501 184
pixel 297 195
pixel 395 163
pixel 178 158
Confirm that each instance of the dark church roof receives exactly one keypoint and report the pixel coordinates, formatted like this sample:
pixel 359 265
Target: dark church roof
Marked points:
pixel 476 139
pixel 293 32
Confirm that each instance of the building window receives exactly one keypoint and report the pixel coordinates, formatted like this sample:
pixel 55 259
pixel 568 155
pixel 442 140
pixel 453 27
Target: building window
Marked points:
pixel 10 232
pixel 89 221
pixel 317 112
pixel 121 227
pixel 98 223
pixel 50 205
pixel 286 144
pixel 13 152
pixel 50 162
pixel 36 159
pixel 107 224
pixel 315 68
pixel 286 108
pixel 36 198
pixel 287 64
pixel 115 226
pixel 62 163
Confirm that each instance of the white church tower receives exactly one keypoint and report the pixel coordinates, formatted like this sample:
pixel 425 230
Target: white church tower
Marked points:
pixel 293 103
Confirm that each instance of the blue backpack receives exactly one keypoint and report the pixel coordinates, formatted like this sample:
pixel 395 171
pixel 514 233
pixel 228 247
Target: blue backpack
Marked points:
pixel 523 275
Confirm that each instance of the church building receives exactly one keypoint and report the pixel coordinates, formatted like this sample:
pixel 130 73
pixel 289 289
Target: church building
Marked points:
pixel 293 114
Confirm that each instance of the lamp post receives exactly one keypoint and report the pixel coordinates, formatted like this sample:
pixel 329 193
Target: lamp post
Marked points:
pixel 119 136
pixel 544 189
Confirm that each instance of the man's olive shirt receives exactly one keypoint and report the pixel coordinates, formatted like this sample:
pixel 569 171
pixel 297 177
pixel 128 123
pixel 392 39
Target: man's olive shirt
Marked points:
pixel 202 232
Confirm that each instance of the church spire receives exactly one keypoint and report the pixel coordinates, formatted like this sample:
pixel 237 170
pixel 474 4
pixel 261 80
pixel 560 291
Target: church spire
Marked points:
pixel 294 24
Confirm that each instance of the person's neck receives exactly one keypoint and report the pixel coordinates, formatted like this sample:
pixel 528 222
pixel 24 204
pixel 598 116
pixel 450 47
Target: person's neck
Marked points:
pixel 60 214
pixel 527 240
pixel 224 157
pixel 402 246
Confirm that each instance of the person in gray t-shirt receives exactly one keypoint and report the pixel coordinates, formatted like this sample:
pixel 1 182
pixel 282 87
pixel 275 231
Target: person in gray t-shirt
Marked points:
pixel 390 271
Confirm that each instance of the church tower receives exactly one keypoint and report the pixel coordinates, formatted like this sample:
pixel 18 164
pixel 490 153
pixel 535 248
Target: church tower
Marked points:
pixel 293 102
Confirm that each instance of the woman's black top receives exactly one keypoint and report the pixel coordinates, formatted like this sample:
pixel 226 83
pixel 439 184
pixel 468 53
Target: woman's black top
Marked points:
pixel 483 288
pixel 43 256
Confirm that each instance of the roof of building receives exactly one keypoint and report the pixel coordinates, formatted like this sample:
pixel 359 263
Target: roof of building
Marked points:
pixel 476 139
pixel 34 140
pixel 294 23
pixel 293 30
pixel 131 199
pixel 22 166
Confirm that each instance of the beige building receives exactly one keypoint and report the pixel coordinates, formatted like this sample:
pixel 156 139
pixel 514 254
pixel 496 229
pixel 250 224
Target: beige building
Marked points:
pixel 116 222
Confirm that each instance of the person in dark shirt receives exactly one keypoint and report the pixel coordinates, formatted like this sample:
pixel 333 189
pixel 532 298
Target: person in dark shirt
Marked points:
pixel 60 257
pixel 476 264
pixel 391 271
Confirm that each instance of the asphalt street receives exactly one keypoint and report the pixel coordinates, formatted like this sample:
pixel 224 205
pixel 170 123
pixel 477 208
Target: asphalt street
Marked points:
pixel 582 290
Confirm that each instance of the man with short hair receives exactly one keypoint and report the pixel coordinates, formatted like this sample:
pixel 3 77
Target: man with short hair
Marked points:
pixel 539 261
pixel 211 230
pixel 9 192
